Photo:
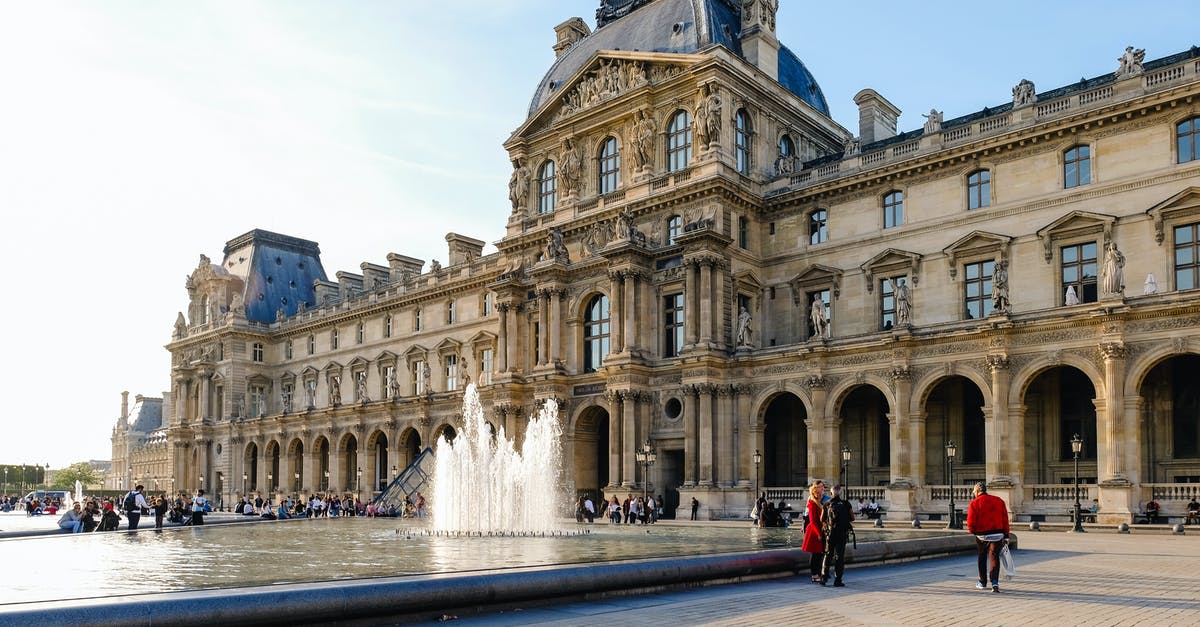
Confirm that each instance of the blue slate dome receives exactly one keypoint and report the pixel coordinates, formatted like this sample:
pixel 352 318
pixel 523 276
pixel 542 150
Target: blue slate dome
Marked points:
pixel 672 26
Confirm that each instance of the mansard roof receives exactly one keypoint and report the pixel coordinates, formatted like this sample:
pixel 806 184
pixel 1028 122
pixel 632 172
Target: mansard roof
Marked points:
pixel 278 270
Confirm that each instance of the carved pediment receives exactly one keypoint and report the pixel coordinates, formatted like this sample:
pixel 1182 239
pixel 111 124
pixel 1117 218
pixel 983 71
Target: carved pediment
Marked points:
pixel 287 376
pixel 386 356
pixel 1185 204
pixel 483 338
pixel 1074 224
pixel 358 362
pixel 415 352
pixel 309 371
pixel 749 280
pixel 447 346
pixel 892 260
pixel 976 243
pixel 816 275
pixel 334 368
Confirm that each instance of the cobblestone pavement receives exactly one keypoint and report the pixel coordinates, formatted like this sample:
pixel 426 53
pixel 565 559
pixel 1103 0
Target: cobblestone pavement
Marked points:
pixel 1099 578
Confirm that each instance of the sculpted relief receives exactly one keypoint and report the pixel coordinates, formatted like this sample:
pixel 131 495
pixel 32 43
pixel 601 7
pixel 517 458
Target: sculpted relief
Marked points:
pixel 612 78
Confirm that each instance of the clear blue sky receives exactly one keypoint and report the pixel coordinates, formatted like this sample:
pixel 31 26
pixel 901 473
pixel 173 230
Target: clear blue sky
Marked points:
pixel 135 136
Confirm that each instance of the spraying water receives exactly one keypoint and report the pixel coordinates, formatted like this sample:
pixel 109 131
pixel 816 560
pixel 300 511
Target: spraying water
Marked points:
pixel 481 484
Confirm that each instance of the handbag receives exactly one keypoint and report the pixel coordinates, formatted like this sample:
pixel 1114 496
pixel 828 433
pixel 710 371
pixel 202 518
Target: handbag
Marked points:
pixel 1007 563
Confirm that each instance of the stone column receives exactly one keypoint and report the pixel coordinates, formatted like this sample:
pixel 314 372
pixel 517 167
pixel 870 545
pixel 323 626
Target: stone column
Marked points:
pixel 1002 446
pixel 555 331
pixel 691 434
pixel 916 445
pixel 630 301
pixel 822 429
pixel 514 337
pixel 614 439
pixel 543 339
pixel 616 312
pixel 707 435
pixel 630 441
pixel 260 477
pixel 746 436
pixel 204 396
pixel 706 303
pixel 502 339
pixel 690 303
pixel 1112 449
pixel 726 437
pixel 898 424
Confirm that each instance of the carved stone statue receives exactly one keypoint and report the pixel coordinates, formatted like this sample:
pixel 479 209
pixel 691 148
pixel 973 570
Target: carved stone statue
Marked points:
pixel 1114 270
pixel 743 328
pixel 820 321
pixel 435 266
pixel 285 401
pixel 1000 303
pixel 310 394
pixel 465 367
pixel 1151 286
pixel 643 141
pixel 708 116
pixel 570 168
pixel 1071 298
pixel 180 327
pixel 427 377
pixel 903 302
pixel 933 121
pixel 628 230
pixel 392 384
pixel 759 13
pixel 784 164
pixel 280 315
pixel 518 187
pixel 1131 62
pixel 556 250
pixel 335 391
pixel 849 147
pixel 1024 93
pixel 238 304
pixel 363 396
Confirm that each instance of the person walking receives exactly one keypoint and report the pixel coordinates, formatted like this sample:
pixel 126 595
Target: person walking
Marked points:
pixel 987 518
pixel 695 508
pixel 134 504
pixel 836 521
pixel 198 504
pixel 160 510
pixel 813 543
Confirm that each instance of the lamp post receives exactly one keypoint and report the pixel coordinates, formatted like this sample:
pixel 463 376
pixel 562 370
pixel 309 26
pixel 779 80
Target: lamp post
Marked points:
pixel 646 457
pixel 172 485
pixel 951 451
pixel 845 463
pixel 1076 448
pixel 358 482
pixel 129 473
pixel 244 477
pixel 297 475
pixel 270 483
pixel 6 479
pixel 325 486
pixel 757 461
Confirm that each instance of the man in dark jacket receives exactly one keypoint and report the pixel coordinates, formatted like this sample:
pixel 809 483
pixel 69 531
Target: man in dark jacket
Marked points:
pixel 836 520
pixel 987 518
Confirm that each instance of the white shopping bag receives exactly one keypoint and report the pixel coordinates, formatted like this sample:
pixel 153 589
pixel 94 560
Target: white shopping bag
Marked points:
pixel 1006 561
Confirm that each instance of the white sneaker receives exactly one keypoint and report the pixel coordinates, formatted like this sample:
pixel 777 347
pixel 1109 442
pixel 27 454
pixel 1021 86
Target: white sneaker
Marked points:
pixel 980 586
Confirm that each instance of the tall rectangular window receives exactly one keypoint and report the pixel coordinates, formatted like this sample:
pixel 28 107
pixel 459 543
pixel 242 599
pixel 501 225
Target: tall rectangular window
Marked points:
pixel 287 349
pixel 451 373
pixel 978 288
pixel 679 141
pixel 486 357
pixel 887 303
pixel 487 304
pixel 893 209
pixel 360 333
pixel 979 189
pixel 387 325
pixel 450 313
pixel 1077 167
pixel 1187 257
pixel 418 320
pixel 818 230
pixel 1187 140
pixel 258 401
pixel 312 344
pixel 743 232
pixel 418 377
pixel 333 339
pixel 610 166
pixel 672 325
pixel 537 343
pixel 389 376
pixel 1079 273
pixel 256 352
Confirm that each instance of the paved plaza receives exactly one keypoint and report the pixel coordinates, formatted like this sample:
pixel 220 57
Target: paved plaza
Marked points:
pixel 1099 578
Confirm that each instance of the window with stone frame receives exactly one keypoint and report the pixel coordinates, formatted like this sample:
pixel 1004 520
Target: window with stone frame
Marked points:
pixel 451 314
pixel 893 209
pixel 1077 166
pixel 488 304
pixel 672 325
pixel 888 317
pixel 547 188
pixel 979 189
pixel 595 333
pixel 486 361
pixel 674 229
pixel 818 227
pixel 535 335
pixel 1187 140
pixel 787 147
pixel 977 288
pixel 287 349
pixel 258 400
pixel 387 325
pixel 418 320
pixel 450 364
pixel 742 148
pixel 256 353
pixel 418 377
pixel 1187 256
pixel 1079 270
pixel 288 388
pixel 679 141
pixel 333 339
pixel 610 166
pixel 312 344
pixel 385 387
pixel 743 232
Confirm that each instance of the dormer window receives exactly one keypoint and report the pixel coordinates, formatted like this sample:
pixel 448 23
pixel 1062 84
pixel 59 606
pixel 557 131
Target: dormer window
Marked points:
pixel 679 141
pixel 547 188
pixel 610 166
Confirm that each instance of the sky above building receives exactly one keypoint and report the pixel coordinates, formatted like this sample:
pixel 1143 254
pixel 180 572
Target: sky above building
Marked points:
pixel 136 136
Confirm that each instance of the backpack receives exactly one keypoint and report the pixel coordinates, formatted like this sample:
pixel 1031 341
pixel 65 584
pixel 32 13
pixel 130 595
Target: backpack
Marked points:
pixel 835 521
pixel 130 504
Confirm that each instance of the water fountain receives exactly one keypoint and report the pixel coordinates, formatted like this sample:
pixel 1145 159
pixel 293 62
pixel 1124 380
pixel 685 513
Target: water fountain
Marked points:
pixel 482 484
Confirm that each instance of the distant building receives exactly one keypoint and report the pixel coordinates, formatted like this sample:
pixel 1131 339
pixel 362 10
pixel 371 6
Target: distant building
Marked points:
pixel 700 259
pixel 139 447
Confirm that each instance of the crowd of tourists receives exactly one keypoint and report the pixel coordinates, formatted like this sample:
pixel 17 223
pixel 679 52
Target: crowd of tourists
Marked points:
pixel 634 509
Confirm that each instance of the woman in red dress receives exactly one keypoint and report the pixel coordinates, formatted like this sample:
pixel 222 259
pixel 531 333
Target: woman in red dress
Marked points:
pixel 814 544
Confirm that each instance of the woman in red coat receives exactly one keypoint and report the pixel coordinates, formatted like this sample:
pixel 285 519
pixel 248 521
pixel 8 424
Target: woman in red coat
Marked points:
pixel 813 543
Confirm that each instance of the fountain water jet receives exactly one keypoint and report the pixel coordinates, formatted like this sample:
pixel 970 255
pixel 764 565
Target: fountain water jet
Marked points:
pixel 481 484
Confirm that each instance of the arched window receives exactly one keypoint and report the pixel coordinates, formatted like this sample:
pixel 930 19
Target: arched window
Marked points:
pixel 979 189
pixel 674 229
pixel 679 141
pixel 787 148
pixel 893 209
pixel 818 230
pixel 547 188
pixel 1187 140
pixel 742 141
pixel 595 333
pixel 610 166
pixel 1077 166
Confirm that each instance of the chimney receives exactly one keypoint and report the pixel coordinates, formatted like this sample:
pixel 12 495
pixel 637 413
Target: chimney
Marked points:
pixel 760 46
pixel 567 34
pixel 462 248
pixel 124 405
pixel 876 117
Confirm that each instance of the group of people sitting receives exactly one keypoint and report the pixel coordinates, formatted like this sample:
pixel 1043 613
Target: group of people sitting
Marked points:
pixel 867 510
pixel 768 514
pixel 1154 512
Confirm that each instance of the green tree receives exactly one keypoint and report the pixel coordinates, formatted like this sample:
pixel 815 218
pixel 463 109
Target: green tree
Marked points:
pixel 79 471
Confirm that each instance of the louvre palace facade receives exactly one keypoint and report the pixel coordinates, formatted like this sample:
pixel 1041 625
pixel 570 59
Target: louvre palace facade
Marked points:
pixel 699 259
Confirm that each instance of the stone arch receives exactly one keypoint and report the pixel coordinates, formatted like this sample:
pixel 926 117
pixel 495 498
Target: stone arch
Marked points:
pixel 926 384
pixel 1026 375
pixel 295 456
pixel 272 456
pixel 866 431
pixel 409 445
pixel 1168 410
pixel 954 408
pixel 376 469
pixel 786 449
pixel 843 389
pixel 1139 367
pixel 763 397
pixel 250 457
pixel 445 429
pixel 321 448
pixel 1055 404
pixel 348 463
pixel 589 453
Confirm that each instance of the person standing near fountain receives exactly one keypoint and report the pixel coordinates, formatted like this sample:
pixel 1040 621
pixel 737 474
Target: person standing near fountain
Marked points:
pixel 134 504
pixel 695 508
pixel 814 544
pixel 198 504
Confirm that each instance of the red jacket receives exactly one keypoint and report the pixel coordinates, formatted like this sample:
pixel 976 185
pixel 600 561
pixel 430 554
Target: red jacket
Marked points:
pixel 987 514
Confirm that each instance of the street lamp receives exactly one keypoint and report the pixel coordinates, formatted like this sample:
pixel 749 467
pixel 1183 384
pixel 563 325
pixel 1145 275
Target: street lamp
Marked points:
pixel 244 477
pixel 951 451
pixel 297 481
pixel 270 483
pixel 172 485
pixel 646 457
pixel 1076 448
pixel 129 473
pixel 358 482
pixel 325 486
pixel 6 479
pixel 757 461
pixel 845 462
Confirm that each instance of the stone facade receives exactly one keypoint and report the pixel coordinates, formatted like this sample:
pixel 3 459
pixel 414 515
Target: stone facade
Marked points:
pixel 1004 279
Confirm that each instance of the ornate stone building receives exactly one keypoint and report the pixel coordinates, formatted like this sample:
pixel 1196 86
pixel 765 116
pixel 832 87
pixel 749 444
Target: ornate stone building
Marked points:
pixel 700 258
